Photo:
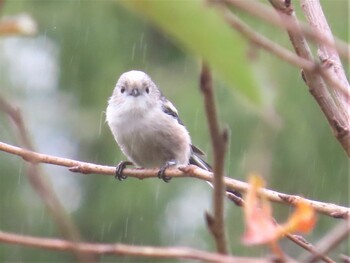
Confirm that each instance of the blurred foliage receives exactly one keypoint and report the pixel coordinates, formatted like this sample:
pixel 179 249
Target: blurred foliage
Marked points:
pixel 91 43
pixel 191 23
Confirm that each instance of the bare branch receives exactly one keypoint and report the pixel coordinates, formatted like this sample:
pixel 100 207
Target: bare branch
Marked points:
pixel 15 115
pixel 328 55
pixel 125 250
pixel 340 232
pixel 219 142
pixel 267 44
pixel 300 241
pixel 329 209
pixel 263 12
pixel 336 119
pixel 41 186
pixel 284 53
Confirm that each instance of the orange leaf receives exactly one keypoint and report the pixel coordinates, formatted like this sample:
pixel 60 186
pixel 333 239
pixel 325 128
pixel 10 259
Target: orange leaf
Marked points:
pixel 302 220
pixel 260 228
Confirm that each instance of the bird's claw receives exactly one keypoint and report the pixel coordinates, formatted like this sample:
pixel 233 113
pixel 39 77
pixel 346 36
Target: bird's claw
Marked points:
pixel 119 170
pixel 161 173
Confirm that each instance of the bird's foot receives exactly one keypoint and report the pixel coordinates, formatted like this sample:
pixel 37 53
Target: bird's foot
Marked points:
pixel 161 173
pixel 119 170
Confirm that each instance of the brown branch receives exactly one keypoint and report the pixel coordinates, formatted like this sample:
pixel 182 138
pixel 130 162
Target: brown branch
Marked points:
pixel 328 55
pixel 263 12
pixel 41 186
pixel 330 241
pixel 338 120
pixel 15 115
pixel 317 87
pixel 219 142
pixel 125 250
pixel 187 171
pixel 300 241
pixel 329 209
pixel 283 53
pixel 266 43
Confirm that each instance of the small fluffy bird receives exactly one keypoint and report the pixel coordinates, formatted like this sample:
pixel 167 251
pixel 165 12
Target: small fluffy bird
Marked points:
pixel 147 127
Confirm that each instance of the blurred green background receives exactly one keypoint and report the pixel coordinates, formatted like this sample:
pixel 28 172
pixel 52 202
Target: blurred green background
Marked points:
pixel 62 78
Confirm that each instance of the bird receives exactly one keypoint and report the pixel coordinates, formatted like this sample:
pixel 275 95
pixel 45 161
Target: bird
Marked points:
pixel 147 127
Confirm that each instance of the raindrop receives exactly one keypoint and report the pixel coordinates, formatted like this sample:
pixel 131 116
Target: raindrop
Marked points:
pixel 20 174
pixel 133 52
pixel 101 123
pixel 141 39
pixel 102 232
pixel 144 53
pixel 126 227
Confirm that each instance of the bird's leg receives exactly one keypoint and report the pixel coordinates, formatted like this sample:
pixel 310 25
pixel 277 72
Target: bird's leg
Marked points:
pixel 161 173
pixel 119 170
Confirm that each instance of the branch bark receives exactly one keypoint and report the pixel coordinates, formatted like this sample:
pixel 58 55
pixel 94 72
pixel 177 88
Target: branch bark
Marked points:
pixel 219 142
pixel 329 209
pixel 125 250
pixel 317 87
pixel 328 55
pixel 340 232
pixel 337 118
pixel 263 12
pixel 283 53
pixel 40 185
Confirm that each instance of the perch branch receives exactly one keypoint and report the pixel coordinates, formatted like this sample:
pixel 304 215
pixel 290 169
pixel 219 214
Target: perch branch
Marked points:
pixel 329 209
pixel 125 250
pixel 219 142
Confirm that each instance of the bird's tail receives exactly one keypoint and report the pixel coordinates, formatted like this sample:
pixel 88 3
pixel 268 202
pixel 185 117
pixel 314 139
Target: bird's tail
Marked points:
pixel 198 161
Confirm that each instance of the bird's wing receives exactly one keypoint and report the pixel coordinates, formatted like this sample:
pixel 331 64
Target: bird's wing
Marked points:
pixel 195 158
pixel 170 109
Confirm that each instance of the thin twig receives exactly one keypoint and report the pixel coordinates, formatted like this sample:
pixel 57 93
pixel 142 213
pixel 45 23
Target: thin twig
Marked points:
pixel 300 241
pixel 266 43
pixel 263 12
pixel 328 55
pixel 219 142
pixel 340 232
pixel 125 250
pixel 329 209
pixel 41 186
pixel 15 115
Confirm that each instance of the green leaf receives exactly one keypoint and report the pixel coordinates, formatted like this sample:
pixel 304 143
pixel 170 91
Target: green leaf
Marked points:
pixel 198 28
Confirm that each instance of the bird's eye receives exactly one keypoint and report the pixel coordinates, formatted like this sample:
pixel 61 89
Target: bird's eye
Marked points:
pixel 147 90
pixel 122 90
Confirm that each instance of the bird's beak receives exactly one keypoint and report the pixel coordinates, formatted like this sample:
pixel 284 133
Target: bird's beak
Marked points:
pixel 135 92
